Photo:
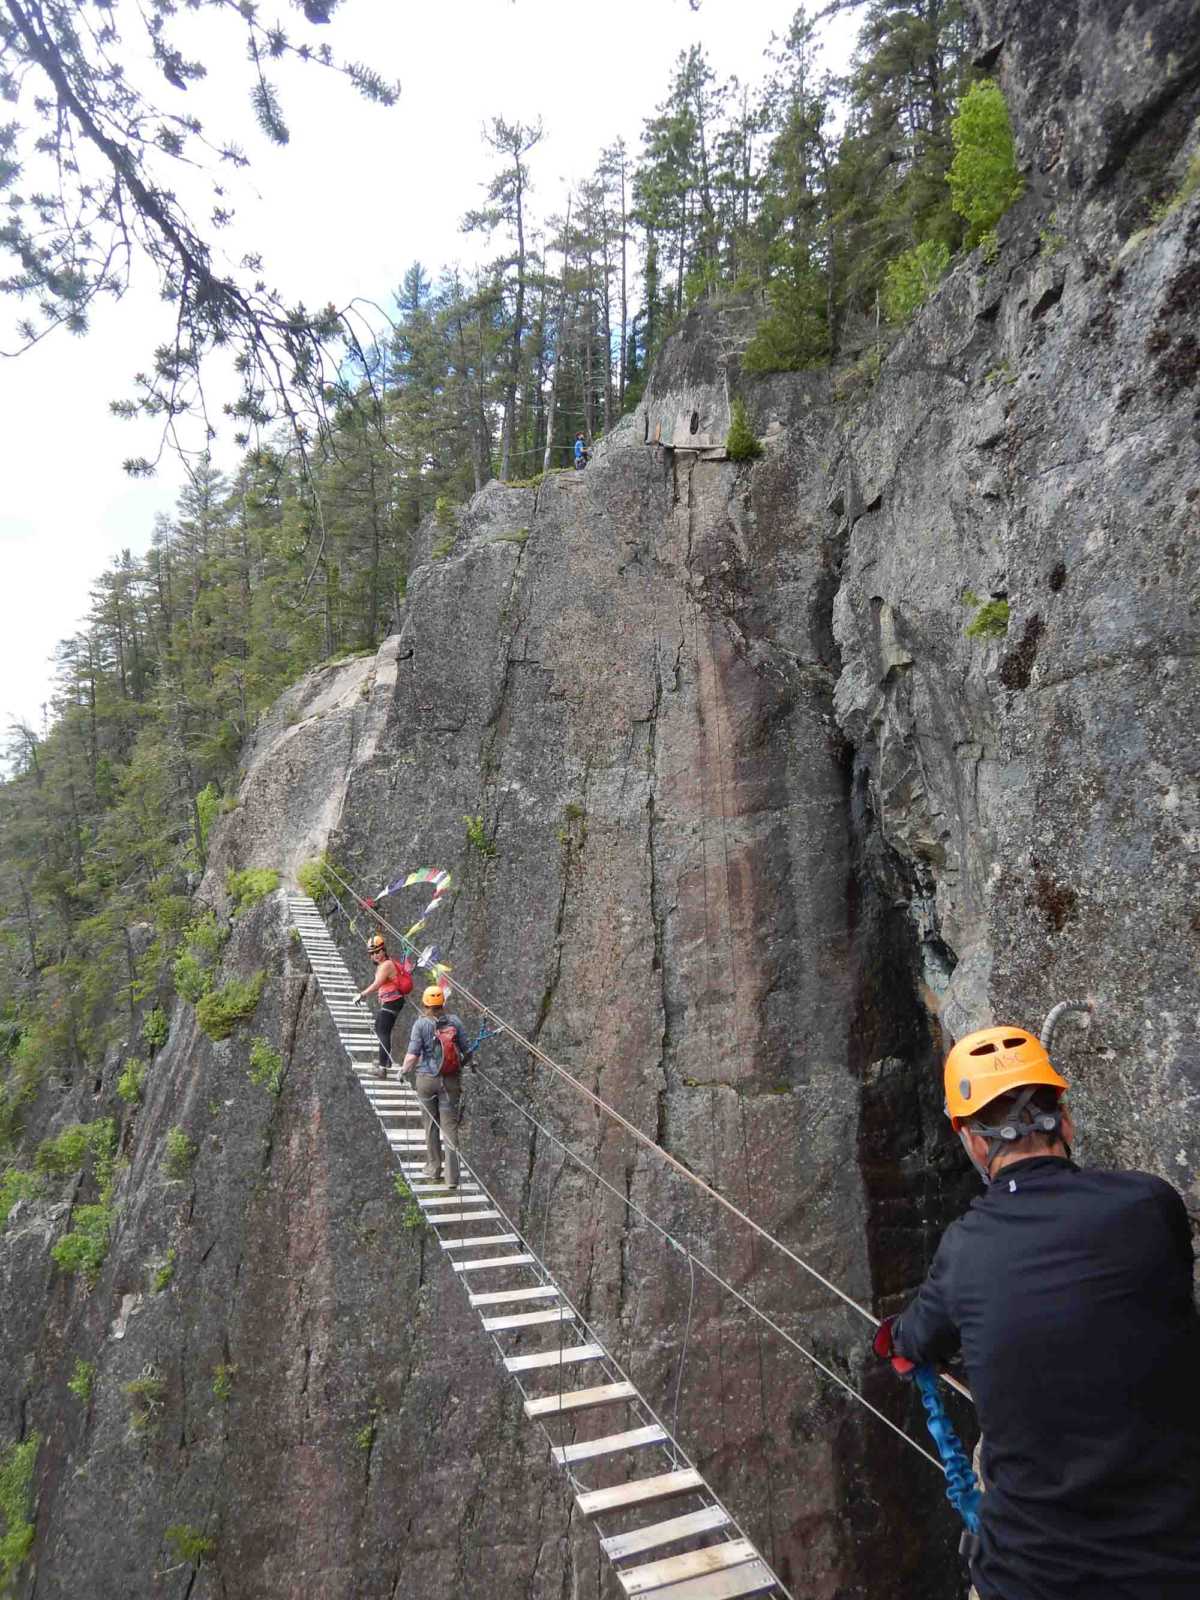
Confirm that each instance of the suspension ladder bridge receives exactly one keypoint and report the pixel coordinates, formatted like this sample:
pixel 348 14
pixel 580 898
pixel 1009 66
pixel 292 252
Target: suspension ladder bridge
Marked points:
pixel 623 1465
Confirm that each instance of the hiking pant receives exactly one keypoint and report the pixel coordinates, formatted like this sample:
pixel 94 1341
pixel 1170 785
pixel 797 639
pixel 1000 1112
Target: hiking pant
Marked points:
pixel 440 1099
pixel 385 1021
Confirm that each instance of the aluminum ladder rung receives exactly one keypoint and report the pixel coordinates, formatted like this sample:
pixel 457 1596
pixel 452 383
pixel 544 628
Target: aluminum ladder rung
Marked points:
pixel 528 1319
pixel 696 1564
pixel 478 1239
pixel 663 1486
pixel 465 1216
pixel 580 1399
pixel 620 1545
pixel 555 1358
pixel 493 1261
pixel 755 1577
pixel 611 1444
pixel 499 1297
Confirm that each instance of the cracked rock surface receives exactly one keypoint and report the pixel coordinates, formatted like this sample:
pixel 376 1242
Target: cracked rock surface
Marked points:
pixel 766 821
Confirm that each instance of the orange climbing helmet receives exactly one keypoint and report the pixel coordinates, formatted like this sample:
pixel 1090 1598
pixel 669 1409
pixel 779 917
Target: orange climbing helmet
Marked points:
pixel 992 1062
pixel 433 998
pixel 376 945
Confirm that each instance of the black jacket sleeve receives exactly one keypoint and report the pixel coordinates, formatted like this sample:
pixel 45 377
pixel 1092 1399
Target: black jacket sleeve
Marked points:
pixel 926 1330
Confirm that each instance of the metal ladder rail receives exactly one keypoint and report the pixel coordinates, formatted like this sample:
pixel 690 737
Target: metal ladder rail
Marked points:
pixel 729 1567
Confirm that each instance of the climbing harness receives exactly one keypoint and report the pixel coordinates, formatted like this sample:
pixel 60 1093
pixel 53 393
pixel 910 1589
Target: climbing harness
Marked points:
pixel 962 1488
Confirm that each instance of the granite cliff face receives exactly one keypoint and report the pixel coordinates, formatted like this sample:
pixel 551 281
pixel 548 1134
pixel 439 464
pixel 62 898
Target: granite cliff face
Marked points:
pixel 767 823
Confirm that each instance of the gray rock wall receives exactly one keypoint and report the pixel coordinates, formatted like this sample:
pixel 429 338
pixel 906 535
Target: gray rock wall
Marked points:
pixel 766 827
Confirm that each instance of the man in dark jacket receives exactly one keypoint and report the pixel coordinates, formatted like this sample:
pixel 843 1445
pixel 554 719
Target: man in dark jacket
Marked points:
pixel 1070 1296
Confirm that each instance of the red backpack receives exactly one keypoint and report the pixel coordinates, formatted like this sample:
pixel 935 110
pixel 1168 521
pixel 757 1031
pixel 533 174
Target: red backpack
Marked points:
pixel 445 1035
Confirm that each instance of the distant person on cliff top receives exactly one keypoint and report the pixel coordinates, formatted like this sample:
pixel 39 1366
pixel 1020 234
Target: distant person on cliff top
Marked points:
pixel 438 1048
pixel 1070 1295
pixel 393 980
pixel 581 456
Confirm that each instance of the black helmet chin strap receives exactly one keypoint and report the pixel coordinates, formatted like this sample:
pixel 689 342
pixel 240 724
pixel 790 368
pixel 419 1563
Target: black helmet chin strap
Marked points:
pixel 1018 1125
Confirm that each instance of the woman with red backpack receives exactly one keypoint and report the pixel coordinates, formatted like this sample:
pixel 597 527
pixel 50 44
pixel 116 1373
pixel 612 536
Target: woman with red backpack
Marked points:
pixel 393 980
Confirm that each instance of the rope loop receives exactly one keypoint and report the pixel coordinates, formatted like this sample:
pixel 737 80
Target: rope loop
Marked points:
pixel 962 1487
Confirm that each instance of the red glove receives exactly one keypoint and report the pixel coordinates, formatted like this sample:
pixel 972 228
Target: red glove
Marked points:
pixel 885 1349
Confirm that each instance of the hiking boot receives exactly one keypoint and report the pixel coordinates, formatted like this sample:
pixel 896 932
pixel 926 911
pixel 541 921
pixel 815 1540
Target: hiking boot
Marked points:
pixel 431 1176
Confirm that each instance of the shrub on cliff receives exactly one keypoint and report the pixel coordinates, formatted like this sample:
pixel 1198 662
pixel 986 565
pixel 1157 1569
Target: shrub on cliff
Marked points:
pixel 912 277
pixel 16 1504
pixel 220 1011
pixel 741 442
pixel 247 888
pixel 983 177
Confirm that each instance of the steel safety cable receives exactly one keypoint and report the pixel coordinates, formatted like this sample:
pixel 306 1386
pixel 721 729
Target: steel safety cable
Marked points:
pixel 636 1133
pixel 631 1128
pixel 580 1323
pixel 703 1265
pixel 683 1250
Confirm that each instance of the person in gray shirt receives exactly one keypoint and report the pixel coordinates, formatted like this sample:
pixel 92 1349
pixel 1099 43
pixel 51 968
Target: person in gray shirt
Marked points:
pixel 438 1049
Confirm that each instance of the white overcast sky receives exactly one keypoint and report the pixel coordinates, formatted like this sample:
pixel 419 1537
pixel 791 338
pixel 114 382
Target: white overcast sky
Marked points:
pixel 358 195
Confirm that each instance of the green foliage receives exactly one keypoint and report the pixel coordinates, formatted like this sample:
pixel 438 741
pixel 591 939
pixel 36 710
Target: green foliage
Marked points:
pixel 248 887
pixel 82 1380
pixel 795 332
pixel 146 1394
pixel 208 804
pixel 990 620
pixel 1050 238
pixel 66 1154
pixel 517 537
pixel 266 1066
pixel 220 1011
pixel 17 1185
pixel 741 442
pixel 84 1248
pixel 155 1029
pixel 180 1155
pixel 222 1382
pixel 442 549
pixel 131 1080
pixel 16 1507
pixel 313 879
pixel 444 514
pixel 912 277
pixel 411 1218
pixel 162 1276
pixel 477 837
pixel 984 180
pixel 192 978
pixel 187 1544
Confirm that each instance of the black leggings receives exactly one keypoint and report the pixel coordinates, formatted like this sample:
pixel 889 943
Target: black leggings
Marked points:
pixel 385 1021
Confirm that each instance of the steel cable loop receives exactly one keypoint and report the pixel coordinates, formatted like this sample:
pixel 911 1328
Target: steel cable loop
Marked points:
pixel 505 1028
pixel 716 1277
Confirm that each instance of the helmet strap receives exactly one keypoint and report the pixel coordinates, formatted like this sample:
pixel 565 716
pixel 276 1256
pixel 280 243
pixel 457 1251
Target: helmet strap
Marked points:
pixel 1017 1126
